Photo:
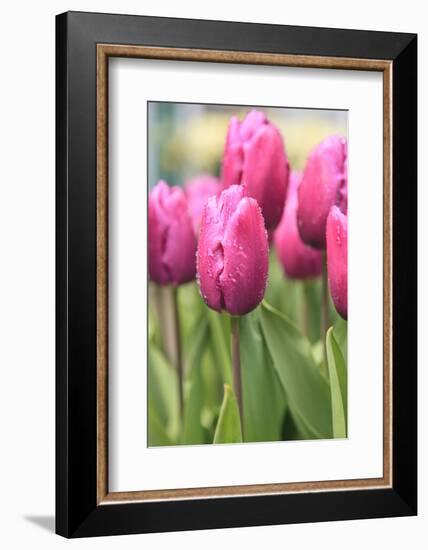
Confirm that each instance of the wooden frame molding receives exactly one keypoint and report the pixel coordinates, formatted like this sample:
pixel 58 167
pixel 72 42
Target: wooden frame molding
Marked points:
pixel 104 52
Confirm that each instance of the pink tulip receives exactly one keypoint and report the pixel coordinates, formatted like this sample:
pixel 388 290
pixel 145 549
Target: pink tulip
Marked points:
pixel 298 259
pixel 232 255
pixel 198 191
pixel 337 259
pixel 324 184
pixel 254 155
pixel 172 242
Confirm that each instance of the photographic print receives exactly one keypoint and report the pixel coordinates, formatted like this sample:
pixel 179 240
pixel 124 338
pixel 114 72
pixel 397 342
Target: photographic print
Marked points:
pixel 247 271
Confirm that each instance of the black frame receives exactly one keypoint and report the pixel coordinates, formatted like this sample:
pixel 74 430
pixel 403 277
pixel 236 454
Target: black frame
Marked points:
pixel 77 513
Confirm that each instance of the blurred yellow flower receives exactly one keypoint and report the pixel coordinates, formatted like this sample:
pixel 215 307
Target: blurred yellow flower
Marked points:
pixel 191 145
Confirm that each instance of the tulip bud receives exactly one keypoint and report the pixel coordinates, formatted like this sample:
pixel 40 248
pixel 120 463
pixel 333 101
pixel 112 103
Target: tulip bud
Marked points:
pixel 232 256
pixel 298 259
pixel 337 259
pixel 323 185
pixel 198 191
pixel 172 242
pixel 254 155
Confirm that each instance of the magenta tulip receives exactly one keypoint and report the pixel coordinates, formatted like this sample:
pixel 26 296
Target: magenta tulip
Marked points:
pixel 298 260
pixel 198 191
pixel 337 259
pixel 172 242
pixel 323 185
pixel 232 255
pixel 254 155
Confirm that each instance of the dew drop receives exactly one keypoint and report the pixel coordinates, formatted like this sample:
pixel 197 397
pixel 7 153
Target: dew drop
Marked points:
pixel 338 236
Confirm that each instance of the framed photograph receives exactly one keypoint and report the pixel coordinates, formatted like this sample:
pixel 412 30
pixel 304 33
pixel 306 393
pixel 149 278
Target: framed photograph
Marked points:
pixel 236 274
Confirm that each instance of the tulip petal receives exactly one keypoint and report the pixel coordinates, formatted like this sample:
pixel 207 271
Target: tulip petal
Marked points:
pixel 337 259
pixel 232 257
pixel 243 279
pixel 210 255
pixel 172 242
pixel 265 172
pixel 324 184
pixel 180 248
pixel 254 155
pixel 233 155
pixel 198 191
pixel 158 230
pixel 298 259
pixel 251 124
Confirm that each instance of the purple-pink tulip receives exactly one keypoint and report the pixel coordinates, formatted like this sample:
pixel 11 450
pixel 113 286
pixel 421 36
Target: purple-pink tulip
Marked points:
pixel 323 185
pixel 337 259
pixel 298 260
pixel 198 191
pixel 172 242
pixel 232 255
pixel 254 155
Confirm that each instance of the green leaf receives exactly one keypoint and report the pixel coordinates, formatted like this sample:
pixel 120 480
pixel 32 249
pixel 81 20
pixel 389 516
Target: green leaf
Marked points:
pixel 282 291
pixel 264 401
pixel 318 354
pixel 213 383
pixel 152 317
pixel 191 308
pixel 338 385
pixel 193 432
pixel 163 406
pixel 298 300
pixel 308 394
pixel 228 428
pixel 220 336
pixel 294 428
pixel 312 297
pixel 341 336
pixel 157 433
pixel 160 314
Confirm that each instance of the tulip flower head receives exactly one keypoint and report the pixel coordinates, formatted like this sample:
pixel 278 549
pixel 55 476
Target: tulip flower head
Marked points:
pixel 198 191
pixel 232 256
pixel 298 260
pixel 324 184
pixel 254 155
pixel 172 242
pixel 337 259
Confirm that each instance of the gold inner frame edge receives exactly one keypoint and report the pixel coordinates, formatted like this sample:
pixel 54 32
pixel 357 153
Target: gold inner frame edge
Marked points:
pixel 104 51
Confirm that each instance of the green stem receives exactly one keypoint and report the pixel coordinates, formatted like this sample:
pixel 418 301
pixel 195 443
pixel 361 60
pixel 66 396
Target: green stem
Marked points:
pixel 178 354
pixel 305 310
pixel 236 366
pixel 325 318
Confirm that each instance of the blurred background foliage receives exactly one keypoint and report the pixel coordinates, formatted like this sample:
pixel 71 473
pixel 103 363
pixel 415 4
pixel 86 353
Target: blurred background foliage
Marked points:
pixel 186 140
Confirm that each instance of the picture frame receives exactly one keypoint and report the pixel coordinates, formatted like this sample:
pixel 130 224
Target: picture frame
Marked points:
pixel 84 44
